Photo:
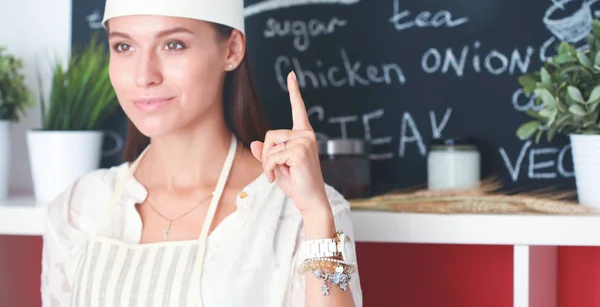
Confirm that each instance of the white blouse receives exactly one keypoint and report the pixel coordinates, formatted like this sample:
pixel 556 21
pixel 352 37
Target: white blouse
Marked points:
pixel 265 219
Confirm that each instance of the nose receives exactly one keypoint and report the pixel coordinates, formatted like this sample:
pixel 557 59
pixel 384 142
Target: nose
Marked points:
pixel 148 71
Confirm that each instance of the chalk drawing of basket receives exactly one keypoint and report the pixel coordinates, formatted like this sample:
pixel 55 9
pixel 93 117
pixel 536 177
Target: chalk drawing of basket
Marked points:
pixel 573 28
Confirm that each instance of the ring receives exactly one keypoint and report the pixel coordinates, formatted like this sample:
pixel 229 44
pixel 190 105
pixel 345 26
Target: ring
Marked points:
pixel 283 143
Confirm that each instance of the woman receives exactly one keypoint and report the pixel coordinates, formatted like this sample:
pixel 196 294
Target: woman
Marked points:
pixel 202 213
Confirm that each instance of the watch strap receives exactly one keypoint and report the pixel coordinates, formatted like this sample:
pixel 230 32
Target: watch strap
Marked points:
pixel 320 248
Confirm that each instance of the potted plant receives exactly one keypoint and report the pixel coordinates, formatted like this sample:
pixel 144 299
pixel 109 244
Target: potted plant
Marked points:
pixel 69 144
pixel 567 91
pixel 15 98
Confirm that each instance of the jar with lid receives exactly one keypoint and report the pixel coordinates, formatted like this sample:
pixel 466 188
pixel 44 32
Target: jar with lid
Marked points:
pixel 346 166
pixel 453 164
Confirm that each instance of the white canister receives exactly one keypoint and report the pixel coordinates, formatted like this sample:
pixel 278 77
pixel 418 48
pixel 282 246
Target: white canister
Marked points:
pixel 453 164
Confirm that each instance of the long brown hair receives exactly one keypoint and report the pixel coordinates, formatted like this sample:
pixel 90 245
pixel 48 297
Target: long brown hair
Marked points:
pixel 242 110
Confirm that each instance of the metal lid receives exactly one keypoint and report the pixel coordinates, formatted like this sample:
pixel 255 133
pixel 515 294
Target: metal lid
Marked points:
pixel 460 141
pixel 342 147
pixel 454 143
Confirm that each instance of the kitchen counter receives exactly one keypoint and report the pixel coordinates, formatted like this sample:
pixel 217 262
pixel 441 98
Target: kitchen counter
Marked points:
pixel 25 216
pixel 535 237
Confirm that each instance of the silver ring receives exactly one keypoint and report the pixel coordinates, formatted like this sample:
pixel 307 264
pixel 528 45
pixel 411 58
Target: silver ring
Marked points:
pixel 283 143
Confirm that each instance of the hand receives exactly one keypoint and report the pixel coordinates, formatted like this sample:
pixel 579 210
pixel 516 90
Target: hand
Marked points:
pixel 294 166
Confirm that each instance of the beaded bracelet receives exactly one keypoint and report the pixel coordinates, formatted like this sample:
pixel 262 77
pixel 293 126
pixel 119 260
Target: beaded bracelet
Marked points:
pixel 324 263
pixel 338 278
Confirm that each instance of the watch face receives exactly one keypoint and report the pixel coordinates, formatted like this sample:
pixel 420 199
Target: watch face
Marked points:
pixel 348 250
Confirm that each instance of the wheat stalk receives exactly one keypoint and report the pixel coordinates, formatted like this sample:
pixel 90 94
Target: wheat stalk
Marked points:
pixel 556 207
pixel 483 199
pixel 472 206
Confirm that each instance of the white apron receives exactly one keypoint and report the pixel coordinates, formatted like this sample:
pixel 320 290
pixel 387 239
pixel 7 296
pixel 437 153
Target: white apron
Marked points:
pixel 115 273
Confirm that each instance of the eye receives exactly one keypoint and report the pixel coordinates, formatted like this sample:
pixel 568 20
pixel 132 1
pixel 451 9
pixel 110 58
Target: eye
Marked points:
pixel 122 47
pixel 174 45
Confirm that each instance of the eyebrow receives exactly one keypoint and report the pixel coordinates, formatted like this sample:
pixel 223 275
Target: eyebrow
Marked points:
pixel 160 34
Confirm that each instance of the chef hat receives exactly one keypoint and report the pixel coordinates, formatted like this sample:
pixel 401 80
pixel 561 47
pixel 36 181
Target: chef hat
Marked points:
pixel 225 12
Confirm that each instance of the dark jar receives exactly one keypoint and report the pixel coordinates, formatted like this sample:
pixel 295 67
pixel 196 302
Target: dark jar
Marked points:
pixel 346 166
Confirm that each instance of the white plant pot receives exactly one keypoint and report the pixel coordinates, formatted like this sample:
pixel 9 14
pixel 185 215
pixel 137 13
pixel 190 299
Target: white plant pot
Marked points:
pixel 58 158
pixel 4 157
pixel 586 162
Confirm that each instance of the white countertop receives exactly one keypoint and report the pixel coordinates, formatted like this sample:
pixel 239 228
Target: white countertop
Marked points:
pixel 23 216
pixel 505 229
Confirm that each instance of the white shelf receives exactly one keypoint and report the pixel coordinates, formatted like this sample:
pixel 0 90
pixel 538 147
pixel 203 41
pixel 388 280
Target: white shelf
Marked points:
pixel 23 216
pixel 490 229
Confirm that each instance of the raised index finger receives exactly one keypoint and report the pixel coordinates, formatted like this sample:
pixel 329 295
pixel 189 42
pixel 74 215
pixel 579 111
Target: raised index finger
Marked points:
pixel 299 115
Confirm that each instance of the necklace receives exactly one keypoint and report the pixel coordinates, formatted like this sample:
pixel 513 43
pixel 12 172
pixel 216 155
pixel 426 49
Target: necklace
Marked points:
pixel 167 229
pixel 170 221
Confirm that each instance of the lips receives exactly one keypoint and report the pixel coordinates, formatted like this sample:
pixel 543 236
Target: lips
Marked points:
pixel 152 104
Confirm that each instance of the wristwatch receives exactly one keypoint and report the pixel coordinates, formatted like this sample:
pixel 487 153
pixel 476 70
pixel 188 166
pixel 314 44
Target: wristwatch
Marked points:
pixel 340 246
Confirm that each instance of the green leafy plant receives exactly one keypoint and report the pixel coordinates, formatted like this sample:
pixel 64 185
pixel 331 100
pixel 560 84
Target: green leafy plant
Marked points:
pixel 15 96
pixel 567 92
pixel 81 95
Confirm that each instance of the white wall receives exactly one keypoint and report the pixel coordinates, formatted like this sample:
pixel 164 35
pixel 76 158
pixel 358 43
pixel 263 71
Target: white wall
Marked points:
pixel 32 30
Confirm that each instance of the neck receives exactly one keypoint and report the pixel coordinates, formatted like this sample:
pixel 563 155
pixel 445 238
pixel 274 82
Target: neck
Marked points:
pixel 189 158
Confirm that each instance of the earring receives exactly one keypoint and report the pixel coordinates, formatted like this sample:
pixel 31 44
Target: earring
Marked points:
pixel 230 66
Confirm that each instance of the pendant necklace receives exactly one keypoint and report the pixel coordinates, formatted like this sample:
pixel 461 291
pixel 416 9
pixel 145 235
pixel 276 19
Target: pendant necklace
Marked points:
pixel 167 229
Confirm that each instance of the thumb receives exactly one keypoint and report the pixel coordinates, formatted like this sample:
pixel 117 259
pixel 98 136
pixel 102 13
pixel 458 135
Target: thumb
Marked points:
pixel 256 148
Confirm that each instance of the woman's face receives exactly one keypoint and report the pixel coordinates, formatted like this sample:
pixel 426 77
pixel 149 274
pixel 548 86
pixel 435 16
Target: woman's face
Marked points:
pixel 167 72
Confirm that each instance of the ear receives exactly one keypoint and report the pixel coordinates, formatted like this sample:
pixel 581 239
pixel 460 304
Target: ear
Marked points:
pixel 236 49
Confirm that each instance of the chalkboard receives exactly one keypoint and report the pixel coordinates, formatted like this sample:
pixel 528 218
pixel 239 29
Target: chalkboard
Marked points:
pixel 399 72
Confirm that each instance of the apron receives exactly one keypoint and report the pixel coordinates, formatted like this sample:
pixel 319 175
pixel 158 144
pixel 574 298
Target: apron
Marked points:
pixel 115 273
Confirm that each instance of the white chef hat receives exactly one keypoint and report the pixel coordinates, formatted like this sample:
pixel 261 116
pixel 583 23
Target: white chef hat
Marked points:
pixel 225 12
